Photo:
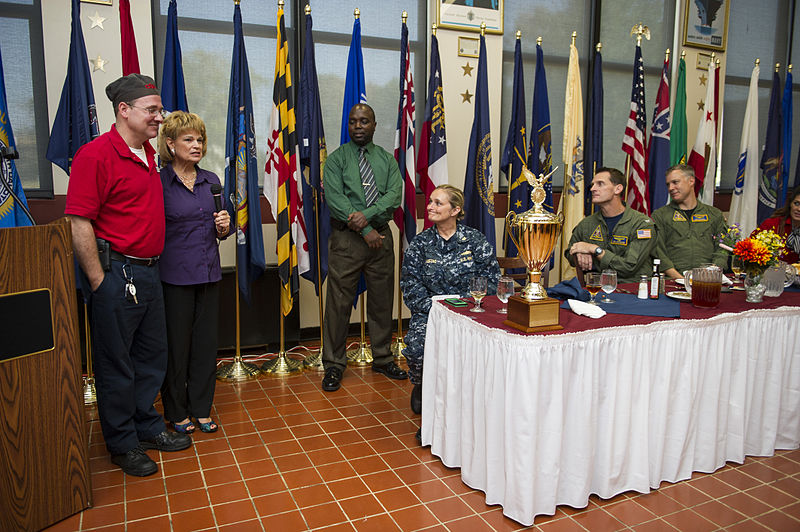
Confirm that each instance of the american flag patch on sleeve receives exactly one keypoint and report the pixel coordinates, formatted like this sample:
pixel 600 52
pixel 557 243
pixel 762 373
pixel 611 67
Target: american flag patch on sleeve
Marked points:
pixel 642 234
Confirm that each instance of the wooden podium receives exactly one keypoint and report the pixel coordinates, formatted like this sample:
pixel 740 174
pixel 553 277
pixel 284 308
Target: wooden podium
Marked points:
pixel 44 456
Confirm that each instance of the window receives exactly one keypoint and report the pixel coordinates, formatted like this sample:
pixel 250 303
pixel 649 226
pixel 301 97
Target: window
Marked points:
pixel 21 43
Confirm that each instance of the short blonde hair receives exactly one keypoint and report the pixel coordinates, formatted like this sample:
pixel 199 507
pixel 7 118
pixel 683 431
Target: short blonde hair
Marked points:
pixel 456 198
pixel 174 125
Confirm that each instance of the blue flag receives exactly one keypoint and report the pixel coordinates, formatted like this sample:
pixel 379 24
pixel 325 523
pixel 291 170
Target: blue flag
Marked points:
pixel 355 91
pixel 355 86
pixel 658 153
pixel 76 117
pixel 593 147
pixel 771 158
pixel 514 152
pixel 786 158
pixel 241 177
pixel 313 153
pixel 478 194
pixel 11 214
pixel 173 87
pixel 540 157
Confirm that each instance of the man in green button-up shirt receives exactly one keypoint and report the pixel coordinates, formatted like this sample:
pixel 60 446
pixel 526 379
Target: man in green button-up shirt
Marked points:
pixel 360 242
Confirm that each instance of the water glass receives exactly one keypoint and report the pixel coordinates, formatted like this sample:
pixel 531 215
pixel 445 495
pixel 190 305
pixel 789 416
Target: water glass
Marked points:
pixel 608 282
pixel 477 289
pixel 505 289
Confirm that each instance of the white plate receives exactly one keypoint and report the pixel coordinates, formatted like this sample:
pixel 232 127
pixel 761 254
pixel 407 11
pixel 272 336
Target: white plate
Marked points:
pixel 679 294
pixel 680 281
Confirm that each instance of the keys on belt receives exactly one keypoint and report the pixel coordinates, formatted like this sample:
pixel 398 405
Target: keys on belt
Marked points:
pixel 130 288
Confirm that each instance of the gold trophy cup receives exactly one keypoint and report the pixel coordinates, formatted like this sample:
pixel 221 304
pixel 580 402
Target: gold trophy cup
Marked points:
pixel 535 233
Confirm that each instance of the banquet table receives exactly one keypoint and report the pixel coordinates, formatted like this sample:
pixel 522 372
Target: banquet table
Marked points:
pixel 608 405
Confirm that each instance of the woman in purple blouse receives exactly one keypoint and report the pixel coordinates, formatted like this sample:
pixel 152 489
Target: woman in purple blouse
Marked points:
pixel 190 273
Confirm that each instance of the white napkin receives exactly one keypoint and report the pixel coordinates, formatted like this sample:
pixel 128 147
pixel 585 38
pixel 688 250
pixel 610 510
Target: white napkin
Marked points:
pixel 585 309
pixel 726 280
pixel 444 296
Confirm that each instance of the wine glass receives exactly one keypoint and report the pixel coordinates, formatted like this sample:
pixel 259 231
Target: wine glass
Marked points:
pixel 593 285
pixel 608 282
pixel 737 267
pixel 477 289
pixel 505 289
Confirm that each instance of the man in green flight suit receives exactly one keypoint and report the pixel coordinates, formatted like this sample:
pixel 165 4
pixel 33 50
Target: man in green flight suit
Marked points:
pixel 615 236
pixel 362 188
pixel 686 227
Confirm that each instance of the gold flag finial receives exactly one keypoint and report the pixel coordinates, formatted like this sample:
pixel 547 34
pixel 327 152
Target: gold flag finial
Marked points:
pixel 666 55
pixel 539 40
pixel 280 4
pixel 357 13
pixel 404 16
pixel 758 61
pixel 683 54
pixel 236 2
pixel 777 67
pixel 598 47
pixel 483 28
pixel 433 29
pixel 308 9
pixel 789 69
pixel 717 62
pixel 519 35
pixel 574 36
pixel 640 30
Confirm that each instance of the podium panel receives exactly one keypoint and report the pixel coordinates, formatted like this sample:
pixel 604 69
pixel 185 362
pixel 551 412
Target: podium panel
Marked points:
pixel 44 457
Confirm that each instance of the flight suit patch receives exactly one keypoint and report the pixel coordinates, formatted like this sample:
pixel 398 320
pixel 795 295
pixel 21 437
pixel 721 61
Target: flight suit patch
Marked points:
pixel 678 217
pixel 597 234
pixel 643 234
pixel 699 218
pixel 619 240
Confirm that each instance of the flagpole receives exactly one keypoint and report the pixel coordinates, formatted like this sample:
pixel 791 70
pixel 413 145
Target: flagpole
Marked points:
pixel 282 365
pixel 314 360
pixel 238 370
pixel 399 344
pixel 361 355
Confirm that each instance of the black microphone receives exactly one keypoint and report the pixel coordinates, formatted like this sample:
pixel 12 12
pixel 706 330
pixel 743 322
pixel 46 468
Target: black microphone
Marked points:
pixel 216 191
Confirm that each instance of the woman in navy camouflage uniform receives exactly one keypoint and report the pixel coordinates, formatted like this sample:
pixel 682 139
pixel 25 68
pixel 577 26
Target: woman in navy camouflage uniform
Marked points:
pixel 441 260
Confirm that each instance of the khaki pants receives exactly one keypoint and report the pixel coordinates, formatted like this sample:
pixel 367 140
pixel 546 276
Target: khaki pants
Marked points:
pixel 348 256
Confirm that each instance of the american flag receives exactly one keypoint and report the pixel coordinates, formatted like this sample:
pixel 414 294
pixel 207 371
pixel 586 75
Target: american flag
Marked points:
pixel 405 216
pixel 635 140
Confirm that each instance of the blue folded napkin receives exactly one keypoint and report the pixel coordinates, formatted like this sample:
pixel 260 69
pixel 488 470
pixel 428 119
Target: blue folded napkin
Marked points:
pixel 569 289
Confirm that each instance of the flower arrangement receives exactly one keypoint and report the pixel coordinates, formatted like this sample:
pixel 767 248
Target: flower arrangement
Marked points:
pixel 729 238
pixel 759 252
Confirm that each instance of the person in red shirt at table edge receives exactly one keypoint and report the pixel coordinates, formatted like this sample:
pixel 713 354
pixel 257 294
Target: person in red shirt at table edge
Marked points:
pixel 786 222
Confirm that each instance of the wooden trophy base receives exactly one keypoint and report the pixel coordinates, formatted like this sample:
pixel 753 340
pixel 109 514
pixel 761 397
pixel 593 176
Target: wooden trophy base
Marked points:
pixel 533 316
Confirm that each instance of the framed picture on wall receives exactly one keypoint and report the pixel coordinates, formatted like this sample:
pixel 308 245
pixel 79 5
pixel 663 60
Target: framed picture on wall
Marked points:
pixel 468 15
pixel 705 24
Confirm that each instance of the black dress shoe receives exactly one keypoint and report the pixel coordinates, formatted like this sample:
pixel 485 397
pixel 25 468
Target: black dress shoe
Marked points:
pixel 168 441
pixel 135 462
pixel 332 380
pixel 416 398
pixel 391 370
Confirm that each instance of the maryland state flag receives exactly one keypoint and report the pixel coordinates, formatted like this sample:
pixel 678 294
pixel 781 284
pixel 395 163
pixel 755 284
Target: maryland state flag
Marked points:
pixel 241 179
pixel 11 214
pixel 280 179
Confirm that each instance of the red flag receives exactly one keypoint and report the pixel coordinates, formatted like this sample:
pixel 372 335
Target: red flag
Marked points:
pixel 405 216
pixel 130 59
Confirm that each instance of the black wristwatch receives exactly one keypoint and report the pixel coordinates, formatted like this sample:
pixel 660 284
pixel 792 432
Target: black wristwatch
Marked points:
pixel 598 251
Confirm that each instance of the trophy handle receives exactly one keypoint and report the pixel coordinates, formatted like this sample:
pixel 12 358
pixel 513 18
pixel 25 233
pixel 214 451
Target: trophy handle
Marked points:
pixel 510 217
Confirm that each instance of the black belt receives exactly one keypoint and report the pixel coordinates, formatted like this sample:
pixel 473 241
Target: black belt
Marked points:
pixel 341 226
pixel 124 258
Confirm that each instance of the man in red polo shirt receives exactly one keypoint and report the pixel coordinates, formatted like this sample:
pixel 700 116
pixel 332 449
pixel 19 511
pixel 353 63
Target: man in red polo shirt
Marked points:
pixel 116 207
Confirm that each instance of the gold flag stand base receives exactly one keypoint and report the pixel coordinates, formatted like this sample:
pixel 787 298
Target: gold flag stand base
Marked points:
pixel 89 391
pixel 314 361
pixel 397 348
pixel 282 365
pixel 238 370
pixel 533 316
pixel 360 356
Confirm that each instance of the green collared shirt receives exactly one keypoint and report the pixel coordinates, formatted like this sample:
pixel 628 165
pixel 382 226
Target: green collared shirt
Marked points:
pixel 344 192
pixel 627 248
pixel 686 242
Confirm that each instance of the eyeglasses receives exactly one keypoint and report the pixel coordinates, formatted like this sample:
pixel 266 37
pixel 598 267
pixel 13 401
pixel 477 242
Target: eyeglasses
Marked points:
pixel 151 111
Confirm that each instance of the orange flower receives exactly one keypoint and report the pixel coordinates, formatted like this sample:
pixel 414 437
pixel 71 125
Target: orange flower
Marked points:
pixel 753 251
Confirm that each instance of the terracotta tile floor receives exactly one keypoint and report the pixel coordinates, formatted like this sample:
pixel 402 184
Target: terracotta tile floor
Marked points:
pixel 291 457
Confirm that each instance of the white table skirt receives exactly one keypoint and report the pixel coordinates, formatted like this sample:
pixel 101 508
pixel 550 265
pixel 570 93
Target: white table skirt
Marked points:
pixel 539 421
